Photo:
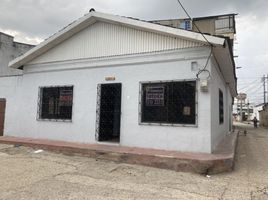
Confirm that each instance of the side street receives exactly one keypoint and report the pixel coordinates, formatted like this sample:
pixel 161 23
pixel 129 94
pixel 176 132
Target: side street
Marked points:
pixel 30 174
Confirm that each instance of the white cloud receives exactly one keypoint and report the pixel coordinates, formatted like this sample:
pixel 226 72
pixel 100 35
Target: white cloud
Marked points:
pixel 22 37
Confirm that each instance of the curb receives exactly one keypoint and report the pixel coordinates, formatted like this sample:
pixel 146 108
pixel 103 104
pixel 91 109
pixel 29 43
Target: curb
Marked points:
pixel 212 164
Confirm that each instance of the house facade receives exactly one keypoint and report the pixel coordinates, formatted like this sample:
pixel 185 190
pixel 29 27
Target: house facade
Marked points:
pixel 110 79
pixel 261 113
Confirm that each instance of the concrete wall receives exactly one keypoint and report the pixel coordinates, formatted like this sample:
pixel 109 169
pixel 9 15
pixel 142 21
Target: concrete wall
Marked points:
pixel 219 130
pixel 8 51
pixel 263 114
pixel 85 75
pixel 205 26
pixel 170 22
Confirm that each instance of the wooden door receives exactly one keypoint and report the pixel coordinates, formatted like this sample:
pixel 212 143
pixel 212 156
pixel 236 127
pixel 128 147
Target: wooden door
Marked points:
pixel 2 115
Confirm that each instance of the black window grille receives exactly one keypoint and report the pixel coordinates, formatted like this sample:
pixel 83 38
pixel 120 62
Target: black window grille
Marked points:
pixel 169 102
pixel 221 112
pixel 56 102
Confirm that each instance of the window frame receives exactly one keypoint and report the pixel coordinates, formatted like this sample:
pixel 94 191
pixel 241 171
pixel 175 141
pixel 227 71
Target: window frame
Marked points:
pixel 231 23
pixel 39 104
pixel 167 124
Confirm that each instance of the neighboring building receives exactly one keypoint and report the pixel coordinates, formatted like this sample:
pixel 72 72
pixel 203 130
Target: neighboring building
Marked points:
pixel 263 114
pixel 107 78
pixel 257 109
pixel 8 51
pixel 218 25
pixel 260 111
pixel 247 110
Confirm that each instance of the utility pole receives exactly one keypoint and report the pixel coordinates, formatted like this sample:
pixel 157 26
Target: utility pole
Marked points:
pixel 241 97
pixel 241 111
pixel 248 111
pixel 267 87
pixel 264 90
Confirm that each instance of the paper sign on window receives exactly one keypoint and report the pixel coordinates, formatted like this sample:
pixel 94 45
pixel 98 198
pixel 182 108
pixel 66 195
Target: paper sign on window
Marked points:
pixel 155 96
pixel 186 110
pixel 65 97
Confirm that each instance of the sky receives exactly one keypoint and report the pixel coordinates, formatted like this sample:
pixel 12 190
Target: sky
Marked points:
pixel 32 21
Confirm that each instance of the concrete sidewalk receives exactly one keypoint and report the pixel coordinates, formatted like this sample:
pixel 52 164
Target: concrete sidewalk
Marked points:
pixel 220 161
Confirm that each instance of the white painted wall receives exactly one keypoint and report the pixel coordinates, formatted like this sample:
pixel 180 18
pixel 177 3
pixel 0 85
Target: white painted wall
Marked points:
pixel 256 111
pixel 219 131
pixel 9 90
pixel 85 76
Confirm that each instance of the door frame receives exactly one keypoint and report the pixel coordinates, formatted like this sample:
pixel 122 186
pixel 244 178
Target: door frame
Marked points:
pixel 98 109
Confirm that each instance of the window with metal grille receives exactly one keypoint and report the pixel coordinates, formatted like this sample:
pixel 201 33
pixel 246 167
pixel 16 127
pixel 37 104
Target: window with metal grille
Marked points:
pixel 168 102
pixel 221 112
pixel 56 103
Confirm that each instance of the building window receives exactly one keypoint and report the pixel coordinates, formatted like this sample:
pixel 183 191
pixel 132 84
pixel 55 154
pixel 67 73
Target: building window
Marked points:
pixel 224 23
pixel 56 103
pixel 186 25
pixel 168 102
pixel 221 111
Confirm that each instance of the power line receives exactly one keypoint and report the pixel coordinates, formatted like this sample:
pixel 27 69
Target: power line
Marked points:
pixel 210 54
pixel 256 97
pixel 193 22
pixel 246 83
pixel 249 89
pixel 204 69
pixel 252 77
pixel 249 84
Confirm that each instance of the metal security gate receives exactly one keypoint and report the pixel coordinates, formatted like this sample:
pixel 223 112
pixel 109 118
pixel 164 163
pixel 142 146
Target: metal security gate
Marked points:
pixel 109 112
pixel 2 115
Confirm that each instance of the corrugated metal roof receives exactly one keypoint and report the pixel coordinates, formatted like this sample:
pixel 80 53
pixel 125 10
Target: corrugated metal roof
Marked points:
pixel 104 40
pixel 92 17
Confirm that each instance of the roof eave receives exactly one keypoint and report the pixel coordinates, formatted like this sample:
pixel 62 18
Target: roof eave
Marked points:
pixel 52 41
pixel 92 17
pixel 226 64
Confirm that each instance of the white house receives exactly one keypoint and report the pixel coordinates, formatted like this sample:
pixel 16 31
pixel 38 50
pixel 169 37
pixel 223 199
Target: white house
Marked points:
pixel 107 78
